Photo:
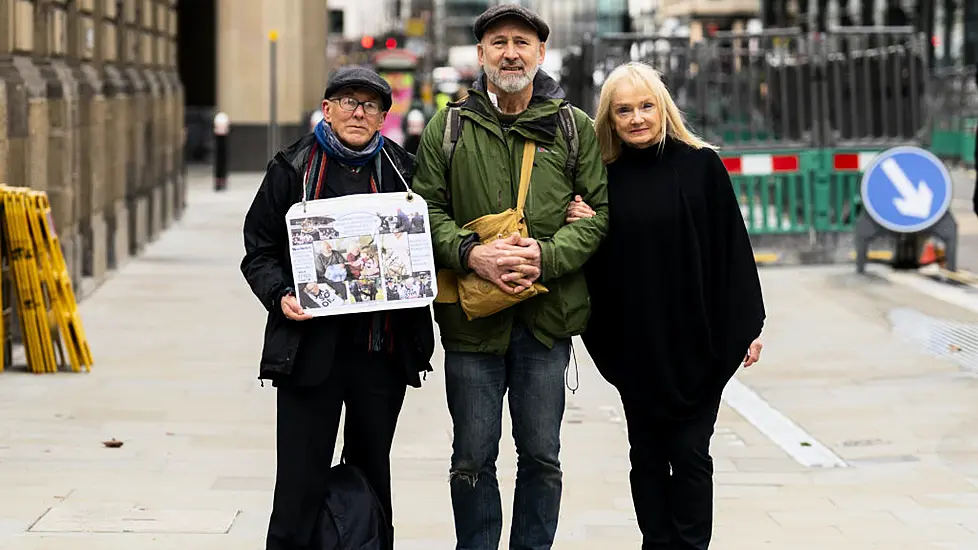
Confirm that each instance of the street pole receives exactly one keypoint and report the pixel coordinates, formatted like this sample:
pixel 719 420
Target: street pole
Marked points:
pixel 273 94
pixel 429 59
pixel 222 124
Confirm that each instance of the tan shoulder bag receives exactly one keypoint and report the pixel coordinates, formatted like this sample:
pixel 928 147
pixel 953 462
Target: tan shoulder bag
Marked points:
pixel 479 297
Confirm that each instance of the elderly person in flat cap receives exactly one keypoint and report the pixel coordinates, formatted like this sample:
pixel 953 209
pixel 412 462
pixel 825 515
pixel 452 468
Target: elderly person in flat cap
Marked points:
pixel 469 166
pixel 365 360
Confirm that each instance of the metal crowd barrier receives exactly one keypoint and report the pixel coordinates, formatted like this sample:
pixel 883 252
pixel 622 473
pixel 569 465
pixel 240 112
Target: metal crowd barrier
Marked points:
pixel 753 90
pixel 953 104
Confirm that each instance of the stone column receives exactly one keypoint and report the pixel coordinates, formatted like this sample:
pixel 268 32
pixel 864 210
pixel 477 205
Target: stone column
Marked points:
pixel 86 40
pixel 178 197
pixel 154 103
pixel 117 90
pixel 6 42
pixel 27 126
pixel 161 28
pixel 64 156
pixel 139 128
pixel 164 147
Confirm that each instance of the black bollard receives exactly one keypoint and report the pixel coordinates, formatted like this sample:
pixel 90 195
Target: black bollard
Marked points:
pixel 221 126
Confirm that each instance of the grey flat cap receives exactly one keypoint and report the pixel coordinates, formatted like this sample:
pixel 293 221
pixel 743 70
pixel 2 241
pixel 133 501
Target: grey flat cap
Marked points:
pixel 359 77
pixel 504 11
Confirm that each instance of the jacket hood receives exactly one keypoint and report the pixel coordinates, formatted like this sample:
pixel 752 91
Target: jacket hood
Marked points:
pixel 544 86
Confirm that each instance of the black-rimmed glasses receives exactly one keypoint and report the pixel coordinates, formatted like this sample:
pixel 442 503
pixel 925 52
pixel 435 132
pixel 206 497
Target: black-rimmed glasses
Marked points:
pixel 348 103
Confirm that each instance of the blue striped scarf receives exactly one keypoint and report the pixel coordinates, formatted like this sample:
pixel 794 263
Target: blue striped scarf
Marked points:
pixel 335 148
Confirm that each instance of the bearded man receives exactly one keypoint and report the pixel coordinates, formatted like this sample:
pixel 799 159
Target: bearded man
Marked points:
pixel 525 348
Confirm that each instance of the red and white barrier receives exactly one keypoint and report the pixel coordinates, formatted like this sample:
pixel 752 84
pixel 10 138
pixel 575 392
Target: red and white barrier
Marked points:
pixel 768 164
pixel 853 162
pixel 762 164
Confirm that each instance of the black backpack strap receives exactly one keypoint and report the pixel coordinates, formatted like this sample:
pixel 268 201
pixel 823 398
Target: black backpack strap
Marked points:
pixel 565 118
pixel 453 130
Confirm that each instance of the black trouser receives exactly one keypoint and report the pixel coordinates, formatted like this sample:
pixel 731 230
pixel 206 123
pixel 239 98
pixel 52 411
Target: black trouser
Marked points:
pixel 308 420
pixel 674 508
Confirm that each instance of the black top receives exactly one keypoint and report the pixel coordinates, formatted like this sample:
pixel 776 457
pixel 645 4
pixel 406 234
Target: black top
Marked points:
pixel 675 294
pixel 344 180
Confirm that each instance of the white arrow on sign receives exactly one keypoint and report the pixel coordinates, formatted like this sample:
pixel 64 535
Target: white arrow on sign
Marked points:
pixel 913 202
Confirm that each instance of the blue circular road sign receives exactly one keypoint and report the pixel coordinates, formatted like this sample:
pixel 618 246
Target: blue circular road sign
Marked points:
pixel 906 189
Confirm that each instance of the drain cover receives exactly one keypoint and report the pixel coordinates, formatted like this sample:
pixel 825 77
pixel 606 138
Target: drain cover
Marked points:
pixel 955 341
pixel 94 518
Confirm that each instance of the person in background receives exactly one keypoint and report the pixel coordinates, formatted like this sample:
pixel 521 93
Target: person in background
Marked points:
pixel 364 361
pixel 413 126
pixel 673 340
pixel 447 92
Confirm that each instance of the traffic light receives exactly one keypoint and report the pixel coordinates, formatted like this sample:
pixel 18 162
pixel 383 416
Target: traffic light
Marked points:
pixel 388 40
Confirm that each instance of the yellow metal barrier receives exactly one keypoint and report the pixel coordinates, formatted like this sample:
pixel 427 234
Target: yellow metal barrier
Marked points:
pixel 50 324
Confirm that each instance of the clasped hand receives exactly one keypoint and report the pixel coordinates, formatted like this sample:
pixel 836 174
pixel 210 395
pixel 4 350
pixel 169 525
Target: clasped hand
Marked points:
pixel 513 264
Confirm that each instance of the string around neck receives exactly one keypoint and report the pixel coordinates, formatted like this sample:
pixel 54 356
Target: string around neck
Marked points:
pixel 410 193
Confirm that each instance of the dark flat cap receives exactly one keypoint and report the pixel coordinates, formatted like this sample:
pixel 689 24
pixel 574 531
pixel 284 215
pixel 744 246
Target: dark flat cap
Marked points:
pixel 510 11
pixel 359 77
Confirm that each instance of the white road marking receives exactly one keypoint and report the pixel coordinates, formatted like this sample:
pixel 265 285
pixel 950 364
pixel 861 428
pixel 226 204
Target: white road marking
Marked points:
pixel 795 441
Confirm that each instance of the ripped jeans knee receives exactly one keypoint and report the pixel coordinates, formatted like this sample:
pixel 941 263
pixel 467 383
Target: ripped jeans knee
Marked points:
pixel 469 473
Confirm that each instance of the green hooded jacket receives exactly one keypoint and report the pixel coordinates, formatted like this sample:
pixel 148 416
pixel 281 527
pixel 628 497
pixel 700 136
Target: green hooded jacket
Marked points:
pixel 484 179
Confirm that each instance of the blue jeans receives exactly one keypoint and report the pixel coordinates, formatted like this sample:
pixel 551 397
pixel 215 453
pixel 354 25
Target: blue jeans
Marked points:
pixel 476 383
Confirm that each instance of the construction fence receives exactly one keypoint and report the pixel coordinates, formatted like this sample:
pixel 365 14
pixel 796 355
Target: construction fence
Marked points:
pixel 953 104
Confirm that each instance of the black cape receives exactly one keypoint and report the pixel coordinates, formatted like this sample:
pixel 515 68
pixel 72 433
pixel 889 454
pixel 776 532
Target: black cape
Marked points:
pixel 675 294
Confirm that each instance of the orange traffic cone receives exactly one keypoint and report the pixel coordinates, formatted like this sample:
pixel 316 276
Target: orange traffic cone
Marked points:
pixel 929 254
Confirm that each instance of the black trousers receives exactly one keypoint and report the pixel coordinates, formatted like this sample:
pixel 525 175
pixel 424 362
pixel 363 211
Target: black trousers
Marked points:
pixel 372 388
pixel 671 475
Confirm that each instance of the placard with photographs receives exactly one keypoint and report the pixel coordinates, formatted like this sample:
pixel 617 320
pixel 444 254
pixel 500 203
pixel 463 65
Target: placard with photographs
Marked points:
pixel 362 253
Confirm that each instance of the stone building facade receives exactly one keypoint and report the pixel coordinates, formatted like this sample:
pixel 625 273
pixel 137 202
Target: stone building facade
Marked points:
pixel 91 111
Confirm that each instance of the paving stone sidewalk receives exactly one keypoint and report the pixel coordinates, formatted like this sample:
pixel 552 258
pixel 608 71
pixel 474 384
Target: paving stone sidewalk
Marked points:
pixel 176 335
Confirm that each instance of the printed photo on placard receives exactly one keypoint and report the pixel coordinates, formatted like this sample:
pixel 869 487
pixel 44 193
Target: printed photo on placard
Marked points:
pixel 362 253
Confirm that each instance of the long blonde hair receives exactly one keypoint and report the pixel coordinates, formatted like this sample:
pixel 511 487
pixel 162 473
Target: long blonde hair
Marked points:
pixel 671 121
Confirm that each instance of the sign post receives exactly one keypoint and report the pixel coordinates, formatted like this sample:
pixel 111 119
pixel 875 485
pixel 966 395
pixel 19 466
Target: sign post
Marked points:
pixel 906 192
pixel 272 93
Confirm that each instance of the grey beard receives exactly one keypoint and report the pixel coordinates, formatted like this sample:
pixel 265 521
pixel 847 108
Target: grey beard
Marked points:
pixel 511 84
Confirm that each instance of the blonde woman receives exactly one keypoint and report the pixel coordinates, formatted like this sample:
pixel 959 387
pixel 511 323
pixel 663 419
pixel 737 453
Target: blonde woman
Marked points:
pixel 670 326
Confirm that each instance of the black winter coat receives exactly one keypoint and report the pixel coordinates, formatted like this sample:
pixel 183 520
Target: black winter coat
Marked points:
pixel 267 268
pixel 675 294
